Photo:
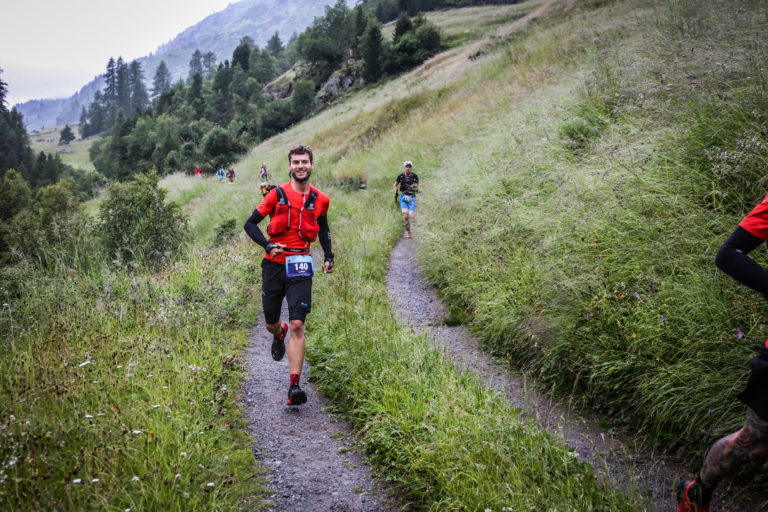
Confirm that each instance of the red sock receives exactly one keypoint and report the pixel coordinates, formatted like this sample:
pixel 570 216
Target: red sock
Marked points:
pixel 295 379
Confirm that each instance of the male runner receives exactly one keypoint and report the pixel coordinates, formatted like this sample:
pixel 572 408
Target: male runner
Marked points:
pixel 297 218
pixel 750 443
pixel 409 185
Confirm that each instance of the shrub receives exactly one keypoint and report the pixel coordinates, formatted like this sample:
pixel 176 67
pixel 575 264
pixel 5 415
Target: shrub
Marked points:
pixel 51 231
pixel 225 232
pixel 138 225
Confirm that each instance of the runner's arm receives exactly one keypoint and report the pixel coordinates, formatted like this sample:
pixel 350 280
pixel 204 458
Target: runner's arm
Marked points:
pixel 253 230
pixel 325 236
pixel 733 260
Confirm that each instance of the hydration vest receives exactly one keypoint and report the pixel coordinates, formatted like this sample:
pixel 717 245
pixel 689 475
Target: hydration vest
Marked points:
pixel 281 219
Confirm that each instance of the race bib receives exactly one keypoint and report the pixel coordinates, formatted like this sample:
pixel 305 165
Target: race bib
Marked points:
pixel 299 265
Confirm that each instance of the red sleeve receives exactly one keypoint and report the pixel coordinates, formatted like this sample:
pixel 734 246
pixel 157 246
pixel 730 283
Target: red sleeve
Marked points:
pixel 268 203
pixel 757 220
pixel 323 201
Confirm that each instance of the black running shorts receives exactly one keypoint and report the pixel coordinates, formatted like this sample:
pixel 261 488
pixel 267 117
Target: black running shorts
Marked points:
pixel 275 285
pixel 755 395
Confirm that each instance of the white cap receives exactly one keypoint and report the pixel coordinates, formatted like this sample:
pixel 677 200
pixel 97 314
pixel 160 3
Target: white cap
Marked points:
pixel 408 163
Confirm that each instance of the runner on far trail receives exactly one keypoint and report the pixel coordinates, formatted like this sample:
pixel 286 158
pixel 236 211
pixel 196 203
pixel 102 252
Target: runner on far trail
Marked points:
pixel 220 174
pixel 264 174
pixel 409 186
pixel 749 444
pixel 298 216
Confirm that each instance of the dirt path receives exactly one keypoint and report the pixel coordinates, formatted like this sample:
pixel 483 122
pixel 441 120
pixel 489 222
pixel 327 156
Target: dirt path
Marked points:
pixel 616 456
pixel 313 463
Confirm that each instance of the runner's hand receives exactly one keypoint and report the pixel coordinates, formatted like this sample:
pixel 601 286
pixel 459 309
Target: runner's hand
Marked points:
pixel 274 249
pixel 328 266
pixel 397 198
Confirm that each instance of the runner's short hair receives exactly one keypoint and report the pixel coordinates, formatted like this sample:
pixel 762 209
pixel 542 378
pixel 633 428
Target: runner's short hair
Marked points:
pixel 301 149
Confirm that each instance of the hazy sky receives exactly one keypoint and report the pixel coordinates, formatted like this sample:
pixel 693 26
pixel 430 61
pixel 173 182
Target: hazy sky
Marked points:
pixel 50 49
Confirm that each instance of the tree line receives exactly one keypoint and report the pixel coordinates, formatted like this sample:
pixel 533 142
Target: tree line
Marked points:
pixel 210 118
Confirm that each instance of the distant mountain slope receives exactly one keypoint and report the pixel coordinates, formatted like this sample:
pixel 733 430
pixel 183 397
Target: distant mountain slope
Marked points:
pixel 220 33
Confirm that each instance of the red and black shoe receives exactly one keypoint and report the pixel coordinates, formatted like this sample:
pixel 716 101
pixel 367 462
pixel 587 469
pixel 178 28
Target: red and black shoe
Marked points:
pixel 296 396
pixel 278 343
pixel 692 496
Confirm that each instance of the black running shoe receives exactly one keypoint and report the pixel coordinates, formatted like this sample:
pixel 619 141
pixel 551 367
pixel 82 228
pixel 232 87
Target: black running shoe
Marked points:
pixel 692 497
pixel 296 396
pixel 278 343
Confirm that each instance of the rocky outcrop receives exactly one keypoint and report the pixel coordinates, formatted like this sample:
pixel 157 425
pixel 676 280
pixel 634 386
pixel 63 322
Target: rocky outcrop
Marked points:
pixel 344 78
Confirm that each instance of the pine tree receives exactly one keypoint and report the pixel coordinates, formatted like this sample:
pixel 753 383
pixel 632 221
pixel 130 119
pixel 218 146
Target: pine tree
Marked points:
pixel 110 81
pixel 241 55
pixel 209 65
pixel 359 25
pixel 162 81
pixel 66 136
pixel 122 89
pixel 84 126
pixel 196 64
pixel 139 96
pixel 97 114
pixel 274 45
pixel 371 50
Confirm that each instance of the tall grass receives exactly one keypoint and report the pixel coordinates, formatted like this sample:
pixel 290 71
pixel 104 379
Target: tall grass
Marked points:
pixel 118 391
pixel 446 441
pixel 586 255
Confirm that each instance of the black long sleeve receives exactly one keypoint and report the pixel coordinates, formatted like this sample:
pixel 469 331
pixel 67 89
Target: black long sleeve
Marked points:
pixel 733 260
pixel 325 236
pixel 252 228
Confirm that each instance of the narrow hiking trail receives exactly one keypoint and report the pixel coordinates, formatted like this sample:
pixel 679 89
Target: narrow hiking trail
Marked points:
pixel 613 455
pixel 312 461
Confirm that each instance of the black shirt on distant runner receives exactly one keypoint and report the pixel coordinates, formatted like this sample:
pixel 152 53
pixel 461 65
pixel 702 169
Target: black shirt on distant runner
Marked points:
pixel 407 181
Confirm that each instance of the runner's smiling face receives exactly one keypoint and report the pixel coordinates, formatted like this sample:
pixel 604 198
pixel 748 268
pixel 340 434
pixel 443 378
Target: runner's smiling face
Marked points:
pixel 300 167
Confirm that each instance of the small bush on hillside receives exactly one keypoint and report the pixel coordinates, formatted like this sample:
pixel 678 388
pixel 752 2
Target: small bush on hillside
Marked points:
pixel 51 231
pixel 225 232
pixel 138 225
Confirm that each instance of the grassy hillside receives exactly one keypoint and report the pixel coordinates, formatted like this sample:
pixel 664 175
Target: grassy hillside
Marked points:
pixel 74 154
pixel 579 173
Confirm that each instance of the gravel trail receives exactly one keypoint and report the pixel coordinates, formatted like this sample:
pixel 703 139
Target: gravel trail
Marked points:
pixel 313 462
pixel 612 455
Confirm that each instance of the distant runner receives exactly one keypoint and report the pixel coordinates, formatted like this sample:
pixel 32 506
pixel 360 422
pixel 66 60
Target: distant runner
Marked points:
pixel 264 174
pixel 231 175
pixel 220 173
pixel 409 186
pixel 748 445
pixel 297 218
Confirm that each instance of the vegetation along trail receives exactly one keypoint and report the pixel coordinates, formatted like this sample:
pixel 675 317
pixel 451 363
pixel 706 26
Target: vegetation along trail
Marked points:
pixel 614 453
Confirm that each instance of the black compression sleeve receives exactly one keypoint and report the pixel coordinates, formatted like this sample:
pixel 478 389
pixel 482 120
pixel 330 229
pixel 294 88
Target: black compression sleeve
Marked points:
pixel 253 230
pixel 733 260
pixel 325 236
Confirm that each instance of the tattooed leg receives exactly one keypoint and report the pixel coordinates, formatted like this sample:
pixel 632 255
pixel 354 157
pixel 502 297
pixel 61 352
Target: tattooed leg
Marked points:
pixel 729 454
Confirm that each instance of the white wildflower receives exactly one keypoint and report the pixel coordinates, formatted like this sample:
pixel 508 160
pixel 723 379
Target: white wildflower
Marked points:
pixel 84 364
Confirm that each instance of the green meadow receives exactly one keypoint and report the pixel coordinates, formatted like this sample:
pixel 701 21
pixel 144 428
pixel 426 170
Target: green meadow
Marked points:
pixel 581 164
